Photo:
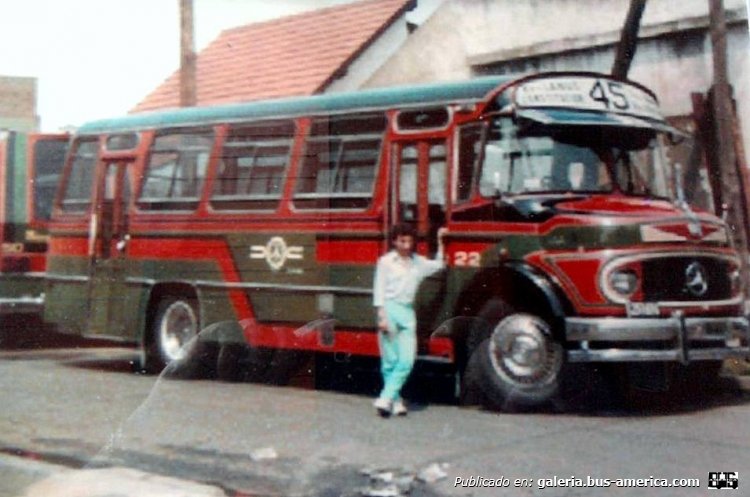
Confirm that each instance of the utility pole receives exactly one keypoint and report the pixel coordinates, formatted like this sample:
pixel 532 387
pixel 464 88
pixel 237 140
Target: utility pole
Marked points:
pixel 628 40
pixel 723 119
pixel 187 55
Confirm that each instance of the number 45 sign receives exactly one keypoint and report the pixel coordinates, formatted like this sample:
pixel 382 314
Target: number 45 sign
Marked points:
pixel 588 93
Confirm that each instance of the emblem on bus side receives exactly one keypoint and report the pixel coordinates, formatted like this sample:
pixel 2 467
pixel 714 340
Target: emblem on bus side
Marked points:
pixel 275 252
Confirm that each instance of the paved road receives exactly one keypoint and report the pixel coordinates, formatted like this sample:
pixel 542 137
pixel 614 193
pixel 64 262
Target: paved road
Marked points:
pixel 82 408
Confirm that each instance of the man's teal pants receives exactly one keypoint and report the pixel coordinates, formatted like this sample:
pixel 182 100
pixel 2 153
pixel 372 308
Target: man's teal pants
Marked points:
pixel 398 349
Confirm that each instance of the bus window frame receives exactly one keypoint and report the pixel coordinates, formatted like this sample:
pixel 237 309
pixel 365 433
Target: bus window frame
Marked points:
pixel 396 129
pixel 33 220
pixel 145 152
pixel 59 213
pixel 473 187
pixel 222 139
pixel 381 163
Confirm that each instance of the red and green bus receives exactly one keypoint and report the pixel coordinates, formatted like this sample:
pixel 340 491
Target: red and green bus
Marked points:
pixel 30 167
pixel 566 241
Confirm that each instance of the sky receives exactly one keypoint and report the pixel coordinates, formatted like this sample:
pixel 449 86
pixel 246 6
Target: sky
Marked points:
pixel 98 58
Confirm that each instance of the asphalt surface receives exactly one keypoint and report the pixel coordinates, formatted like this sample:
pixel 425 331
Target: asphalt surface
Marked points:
pixel 76 421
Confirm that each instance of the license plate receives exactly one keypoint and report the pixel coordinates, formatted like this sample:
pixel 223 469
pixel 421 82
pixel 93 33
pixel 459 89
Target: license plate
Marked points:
pixel 642 309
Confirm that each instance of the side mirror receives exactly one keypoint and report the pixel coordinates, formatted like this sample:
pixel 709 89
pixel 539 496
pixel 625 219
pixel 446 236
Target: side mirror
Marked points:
pixel 676 138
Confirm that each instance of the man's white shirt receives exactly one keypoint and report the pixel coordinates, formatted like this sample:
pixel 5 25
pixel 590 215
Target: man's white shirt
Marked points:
pixel 397 278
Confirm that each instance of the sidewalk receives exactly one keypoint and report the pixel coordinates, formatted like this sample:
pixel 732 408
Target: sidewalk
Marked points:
pixel 23 477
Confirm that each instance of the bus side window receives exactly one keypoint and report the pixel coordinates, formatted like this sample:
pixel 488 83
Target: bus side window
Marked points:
pixel 78 187
pixel 253 166
pixel 176 170
pixel 49 157
pixel 340 162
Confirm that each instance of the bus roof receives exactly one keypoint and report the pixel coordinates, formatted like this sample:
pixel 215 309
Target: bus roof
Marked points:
pixel 371 99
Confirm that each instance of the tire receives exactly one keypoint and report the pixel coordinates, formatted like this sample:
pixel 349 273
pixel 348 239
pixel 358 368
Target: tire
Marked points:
pixel 282 365
pixel 175 324
pixel 492 312
pixel 519 365
pixel 700 376
pixel 705 371
pixel 229 362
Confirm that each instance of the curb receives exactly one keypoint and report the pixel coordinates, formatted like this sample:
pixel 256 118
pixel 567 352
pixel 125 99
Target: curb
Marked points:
pixel 32 467
pixel 52 480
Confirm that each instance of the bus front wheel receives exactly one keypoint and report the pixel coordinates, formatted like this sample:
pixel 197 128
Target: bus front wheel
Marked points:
pixel 519 365
pixel 175 324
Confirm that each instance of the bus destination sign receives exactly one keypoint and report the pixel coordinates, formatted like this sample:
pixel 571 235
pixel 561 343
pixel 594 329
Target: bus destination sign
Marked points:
pixel 588 93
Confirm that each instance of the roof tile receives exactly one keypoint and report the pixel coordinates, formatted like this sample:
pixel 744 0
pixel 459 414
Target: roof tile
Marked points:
pixel 294 55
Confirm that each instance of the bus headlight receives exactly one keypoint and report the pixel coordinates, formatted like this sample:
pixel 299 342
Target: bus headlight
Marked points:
pixel 624 282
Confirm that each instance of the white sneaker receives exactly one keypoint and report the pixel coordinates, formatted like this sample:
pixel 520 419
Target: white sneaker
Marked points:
pixel 383 406
pixel 399 409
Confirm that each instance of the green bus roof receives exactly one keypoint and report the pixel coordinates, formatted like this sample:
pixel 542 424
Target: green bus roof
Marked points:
pixel 371 99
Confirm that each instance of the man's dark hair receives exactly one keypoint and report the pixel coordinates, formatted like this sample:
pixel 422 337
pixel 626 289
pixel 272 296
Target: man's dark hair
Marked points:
pixel 403 229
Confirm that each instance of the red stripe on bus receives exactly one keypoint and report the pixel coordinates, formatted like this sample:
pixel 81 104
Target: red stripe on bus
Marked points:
pixel 347 251
pixel 213 250
pixel 68 246
pixel 345 341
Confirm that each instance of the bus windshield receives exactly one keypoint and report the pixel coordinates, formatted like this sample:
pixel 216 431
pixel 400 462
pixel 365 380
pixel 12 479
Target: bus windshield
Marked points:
pixel 502 158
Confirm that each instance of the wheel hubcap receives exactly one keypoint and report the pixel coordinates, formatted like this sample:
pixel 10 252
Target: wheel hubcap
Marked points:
pixel 178 326
pixel 522 352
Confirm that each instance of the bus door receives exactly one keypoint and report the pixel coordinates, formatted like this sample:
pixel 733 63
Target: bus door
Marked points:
pixel 419 191
pixel 418 195
pixel 108 238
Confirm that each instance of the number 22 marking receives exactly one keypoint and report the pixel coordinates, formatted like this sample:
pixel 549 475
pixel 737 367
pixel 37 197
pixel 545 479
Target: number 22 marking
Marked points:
pixel 463 258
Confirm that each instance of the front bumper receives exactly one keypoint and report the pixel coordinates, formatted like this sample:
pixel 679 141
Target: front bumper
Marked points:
pixel 678 338
pixel 21 305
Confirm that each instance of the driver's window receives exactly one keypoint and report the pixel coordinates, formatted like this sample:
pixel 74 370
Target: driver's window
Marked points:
pixel 501 159
pixel 511 164
pixel 496 174
pixel 470 144
pixel 576 168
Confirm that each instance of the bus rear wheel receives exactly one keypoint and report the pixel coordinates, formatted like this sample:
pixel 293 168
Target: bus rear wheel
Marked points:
pixel 519 365
pixel 174 325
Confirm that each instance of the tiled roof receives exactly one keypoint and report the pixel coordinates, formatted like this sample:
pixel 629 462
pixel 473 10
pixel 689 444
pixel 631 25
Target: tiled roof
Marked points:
pixel 294 55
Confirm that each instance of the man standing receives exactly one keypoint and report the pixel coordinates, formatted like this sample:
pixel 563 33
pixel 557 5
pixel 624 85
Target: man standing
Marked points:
pixel 397 277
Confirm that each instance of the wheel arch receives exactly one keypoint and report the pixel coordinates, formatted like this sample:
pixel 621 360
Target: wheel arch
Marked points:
pixel 522 287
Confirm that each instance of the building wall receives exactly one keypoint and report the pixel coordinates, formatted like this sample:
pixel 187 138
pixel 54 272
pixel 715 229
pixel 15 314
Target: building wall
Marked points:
pixel 18 104
pixel 386 46
pixel 466 38
pixel 363 67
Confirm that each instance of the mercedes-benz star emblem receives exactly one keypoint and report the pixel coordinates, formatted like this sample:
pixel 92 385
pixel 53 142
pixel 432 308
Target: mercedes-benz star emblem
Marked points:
pixel 696 280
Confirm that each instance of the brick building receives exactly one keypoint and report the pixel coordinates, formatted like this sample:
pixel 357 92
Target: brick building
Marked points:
pixel 18 104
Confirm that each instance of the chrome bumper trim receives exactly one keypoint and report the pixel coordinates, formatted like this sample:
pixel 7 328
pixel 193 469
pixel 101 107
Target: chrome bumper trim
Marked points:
pixel 731 337
pixel 22 305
